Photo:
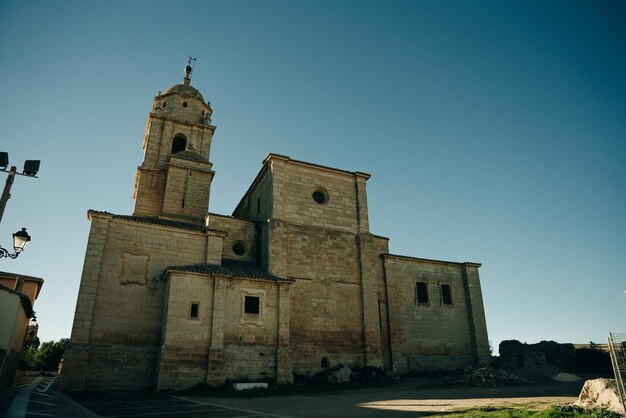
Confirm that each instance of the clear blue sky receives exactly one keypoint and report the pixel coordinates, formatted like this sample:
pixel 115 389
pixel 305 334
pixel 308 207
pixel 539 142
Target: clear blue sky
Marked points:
pixel 495 132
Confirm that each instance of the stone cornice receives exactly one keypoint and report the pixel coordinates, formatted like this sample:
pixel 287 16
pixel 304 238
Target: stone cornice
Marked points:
pixel 430 261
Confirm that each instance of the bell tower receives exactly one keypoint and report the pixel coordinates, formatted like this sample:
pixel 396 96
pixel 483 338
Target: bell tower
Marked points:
pixel 174 179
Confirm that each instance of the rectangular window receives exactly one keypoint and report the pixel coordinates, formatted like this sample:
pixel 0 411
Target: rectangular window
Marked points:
pixel 194 310
pixel 421 290
pixel 446 294
pixel 251 304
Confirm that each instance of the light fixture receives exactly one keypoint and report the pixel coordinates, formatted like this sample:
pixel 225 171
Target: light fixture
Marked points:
pixel 20 239
pixel 31 167
pixel 4 160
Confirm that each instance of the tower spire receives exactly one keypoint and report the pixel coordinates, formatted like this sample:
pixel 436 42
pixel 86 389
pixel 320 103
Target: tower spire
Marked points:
pixel 191 61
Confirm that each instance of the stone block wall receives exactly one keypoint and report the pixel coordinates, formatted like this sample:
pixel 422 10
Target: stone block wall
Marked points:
pixel 243 345
pixel 293 185
pixel 318 253
pixel 237 230
pixel 483 351
pixel 432 336
pixel 120 306
pixel 149 191
pixel 256 205
pixel 134 257
pixel 185 340
pixel 187 190
pixel 160 133
pixel 326 322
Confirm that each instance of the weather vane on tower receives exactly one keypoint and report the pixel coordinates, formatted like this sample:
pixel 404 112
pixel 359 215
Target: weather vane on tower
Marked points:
pixel 191 61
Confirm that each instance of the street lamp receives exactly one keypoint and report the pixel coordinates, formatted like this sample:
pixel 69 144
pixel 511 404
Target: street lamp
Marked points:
pixel 20 239
pixel 31 167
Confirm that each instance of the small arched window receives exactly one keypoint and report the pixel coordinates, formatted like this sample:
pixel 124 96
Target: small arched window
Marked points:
pixel 179 144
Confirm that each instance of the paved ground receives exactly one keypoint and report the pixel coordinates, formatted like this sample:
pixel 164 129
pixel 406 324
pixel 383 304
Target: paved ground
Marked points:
pixel 129 404
pixel 36 397
pixel 407 399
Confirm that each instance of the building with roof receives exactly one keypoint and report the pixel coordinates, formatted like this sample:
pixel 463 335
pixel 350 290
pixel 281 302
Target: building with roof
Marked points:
pixel 291 283
pixel 17 298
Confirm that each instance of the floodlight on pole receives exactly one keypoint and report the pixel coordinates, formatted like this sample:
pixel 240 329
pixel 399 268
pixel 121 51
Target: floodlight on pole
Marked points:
pixel 31 167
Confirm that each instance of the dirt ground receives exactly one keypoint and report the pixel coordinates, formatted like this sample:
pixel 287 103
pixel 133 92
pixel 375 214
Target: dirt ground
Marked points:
pixel 409 398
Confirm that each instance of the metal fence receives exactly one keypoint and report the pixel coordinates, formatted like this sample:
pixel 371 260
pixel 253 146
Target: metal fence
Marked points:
pixel 617 347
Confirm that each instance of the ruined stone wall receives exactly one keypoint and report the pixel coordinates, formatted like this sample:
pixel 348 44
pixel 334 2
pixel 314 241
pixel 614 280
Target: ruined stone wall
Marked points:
pixel 432 335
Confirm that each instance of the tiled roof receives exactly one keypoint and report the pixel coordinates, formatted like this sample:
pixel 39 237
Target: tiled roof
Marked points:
pixel 231 268
pixel 190 156
pixel 155 220
pixel 316 165
pixel 429 260
pixel 286 157
pixel 23 276
pixel 222 216
pixel 38 280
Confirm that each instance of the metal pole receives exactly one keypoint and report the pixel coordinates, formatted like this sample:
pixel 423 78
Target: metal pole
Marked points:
pixel 7 189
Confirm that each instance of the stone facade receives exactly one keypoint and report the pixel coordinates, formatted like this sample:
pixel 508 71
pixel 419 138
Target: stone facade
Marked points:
pixel 291 283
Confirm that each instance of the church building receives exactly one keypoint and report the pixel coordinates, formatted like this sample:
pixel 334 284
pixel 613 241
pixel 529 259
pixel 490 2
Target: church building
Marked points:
pixel 291 283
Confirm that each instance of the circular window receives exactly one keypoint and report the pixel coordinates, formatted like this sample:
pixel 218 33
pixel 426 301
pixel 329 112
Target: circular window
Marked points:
pixel 239 248
pixel 184 104
pixel 320 196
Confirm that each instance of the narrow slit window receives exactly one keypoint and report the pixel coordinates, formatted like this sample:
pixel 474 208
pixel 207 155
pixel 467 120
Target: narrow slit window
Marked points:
pixel 446 294
pixel 421 290
pixel 252 304
pixel 194 310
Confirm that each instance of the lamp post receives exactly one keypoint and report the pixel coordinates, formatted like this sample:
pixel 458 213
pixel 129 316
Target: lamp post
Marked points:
pixel 20 239
pixel 31 167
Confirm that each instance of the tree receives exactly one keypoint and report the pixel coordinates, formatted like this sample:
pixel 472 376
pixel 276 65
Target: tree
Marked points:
pixel 50 353
pixel 47 356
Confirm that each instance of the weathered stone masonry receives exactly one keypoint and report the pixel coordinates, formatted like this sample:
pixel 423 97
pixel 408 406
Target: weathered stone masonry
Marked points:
pixel 291 283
